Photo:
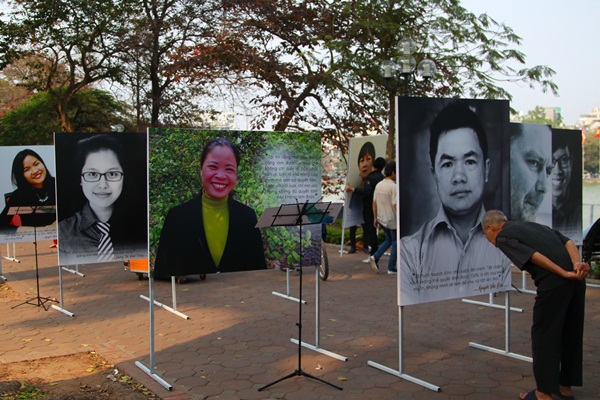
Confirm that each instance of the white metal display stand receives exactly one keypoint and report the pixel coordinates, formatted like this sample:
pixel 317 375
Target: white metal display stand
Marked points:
pixel 400 372
pixel 61 302
pixel 490 303
pixel 174 297
pixel 506 350
pixel 14 257
pixel 525 290
pixel 150 371
pixel 342 251
pixel 317 346
pixel 524 285
pixel 60 281
pixel 73 271
pixel 287 293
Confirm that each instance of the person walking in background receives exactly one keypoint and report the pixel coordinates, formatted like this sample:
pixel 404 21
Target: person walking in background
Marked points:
pixel 352 248
pixel 366 192
pixel 385 210
pixel 555 265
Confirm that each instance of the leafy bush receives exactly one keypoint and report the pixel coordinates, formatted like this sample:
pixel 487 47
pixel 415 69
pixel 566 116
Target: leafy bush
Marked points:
pixel 334 234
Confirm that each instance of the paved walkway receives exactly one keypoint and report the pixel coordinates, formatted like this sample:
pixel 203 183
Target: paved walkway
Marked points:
pixel 238 336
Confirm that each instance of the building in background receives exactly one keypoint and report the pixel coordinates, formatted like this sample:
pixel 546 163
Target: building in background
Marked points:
pixel 590 123
pixel 553 113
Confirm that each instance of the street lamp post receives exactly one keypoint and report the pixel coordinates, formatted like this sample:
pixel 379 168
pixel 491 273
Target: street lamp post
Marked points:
pixel 402 72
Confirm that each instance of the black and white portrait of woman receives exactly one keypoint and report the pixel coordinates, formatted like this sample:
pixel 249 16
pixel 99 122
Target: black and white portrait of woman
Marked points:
pixel 102 201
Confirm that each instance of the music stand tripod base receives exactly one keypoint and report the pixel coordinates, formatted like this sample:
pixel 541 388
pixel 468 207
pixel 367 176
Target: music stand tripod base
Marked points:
pixel 299 372
pixel 297 215
pixel 37 301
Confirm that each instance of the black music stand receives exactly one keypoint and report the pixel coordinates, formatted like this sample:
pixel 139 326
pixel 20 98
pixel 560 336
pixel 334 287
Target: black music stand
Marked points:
pixel 296 215
pixel 36 210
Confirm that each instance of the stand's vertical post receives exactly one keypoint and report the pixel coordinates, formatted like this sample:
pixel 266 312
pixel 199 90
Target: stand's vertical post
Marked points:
pixel 300 305
pixel 317 306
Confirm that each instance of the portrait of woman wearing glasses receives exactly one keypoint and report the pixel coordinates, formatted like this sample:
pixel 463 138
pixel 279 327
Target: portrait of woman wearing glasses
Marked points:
pixel 566 191
pixel 106 227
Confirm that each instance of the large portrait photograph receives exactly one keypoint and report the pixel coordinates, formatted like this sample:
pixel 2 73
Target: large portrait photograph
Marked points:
pixel 566 183
pixel 208 190
pixel 530 170
pixel 362 153
pixel 453 166
pixel 27 185
pixel 101 197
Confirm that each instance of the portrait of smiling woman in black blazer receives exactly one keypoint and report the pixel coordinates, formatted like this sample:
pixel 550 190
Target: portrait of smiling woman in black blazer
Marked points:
pixel 212 232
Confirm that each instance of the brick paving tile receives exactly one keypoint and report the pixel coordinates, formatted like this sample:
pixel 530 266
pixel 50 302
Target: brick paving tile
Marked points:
pixel 238 336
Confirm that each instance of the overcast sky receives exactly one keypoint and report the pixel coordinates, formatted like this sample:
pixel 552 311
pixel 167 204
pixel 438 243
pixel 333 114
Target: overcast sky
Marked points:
pixel 562 35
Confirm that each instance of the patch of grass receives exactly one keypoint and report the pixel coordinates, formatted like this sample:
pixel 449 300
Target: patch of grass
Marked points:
pixel 25 392
pixel 334 234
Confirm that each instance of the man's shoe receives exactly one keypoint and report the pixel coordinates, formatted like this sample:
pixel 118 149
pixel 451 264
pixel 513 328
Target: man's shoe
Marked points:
pixel 352 250
pixel 374 265
pixel 392 272
pixel 366 260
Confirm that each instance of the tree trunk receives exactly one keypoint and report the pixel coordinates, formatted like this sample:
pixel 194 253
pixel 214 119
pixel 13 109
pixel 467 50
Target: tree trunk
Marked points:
pixel 65 121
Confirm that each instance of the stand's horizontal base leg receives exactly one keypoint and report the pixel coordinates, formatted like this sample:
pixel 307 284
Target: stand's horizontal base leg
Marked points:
pixel 501 352
pixel 157 378
pixel 62 310
pixel 404 376
pixel 320 350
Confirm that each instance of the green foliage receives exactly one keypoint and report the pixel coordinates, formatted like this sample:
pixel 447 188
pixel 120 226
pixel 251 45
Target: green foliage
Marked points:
pixel 33 122
pixel 77 42
pixel 595 270
pixel 314 64
pixel 25 392
pixel 591 154
pixel 301 65
pixel 334 234
pixel 281 244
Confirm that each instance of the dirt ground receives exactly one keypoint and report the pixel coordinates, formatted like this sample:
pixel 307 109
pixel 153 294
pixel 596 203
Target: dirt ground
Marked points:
pixel 81 376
